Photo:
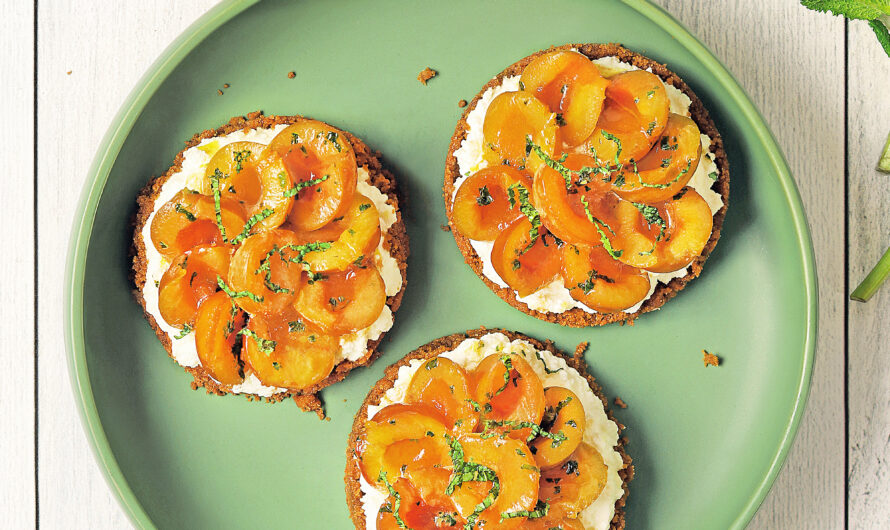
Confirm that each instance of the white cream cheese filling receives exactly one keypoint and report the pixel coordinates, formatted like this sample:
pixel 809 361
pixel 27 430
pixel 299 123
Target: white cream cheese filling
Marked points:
pixel 555 297
pixel 600 431
pixel 352 346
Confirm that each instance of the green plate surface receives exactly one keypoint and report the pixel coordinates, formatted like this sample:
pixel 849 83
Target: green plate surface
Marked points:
pixel 707 443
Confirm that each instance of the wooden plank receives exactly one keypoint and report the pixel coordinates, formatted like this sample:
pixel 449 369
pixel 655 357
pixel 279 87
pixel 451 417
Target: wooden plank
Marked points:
pixel 790 61
pixel 17 492
pixel 106 51
pixel 868 369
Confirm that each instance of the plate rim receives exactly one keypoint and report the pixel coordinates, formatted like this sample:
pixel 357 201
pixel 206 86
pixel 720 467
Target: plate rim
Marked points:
pixel 192 36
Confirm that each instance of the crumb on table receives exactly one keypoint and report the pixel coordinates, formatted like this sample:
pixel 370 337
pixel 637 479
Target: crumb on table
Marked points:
pixel 427 74
pixel 445 228
pixel 710 359
pixel 620 402
pixel 226 85
pixel 218 91
pixel 69 72
pixel 581 348
pixel 291 74
pixel 462 103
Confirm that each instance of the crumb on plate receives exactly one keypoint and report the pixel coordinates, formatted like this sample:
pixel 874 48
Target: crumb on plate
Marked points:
pixel 427 74
pixel 620 402
pixel 710 359
pixel 462 103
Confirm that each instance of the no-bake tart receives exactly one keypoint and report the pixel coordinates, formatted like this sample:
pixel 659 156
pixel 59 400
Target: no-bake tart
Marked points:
pixel 270 258
pixel 487 429
pixel 586 184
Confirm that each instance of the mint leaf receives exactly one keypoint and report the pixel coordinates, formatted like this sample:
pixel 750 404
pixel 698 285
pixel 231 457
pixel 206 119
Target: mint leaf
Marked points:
pixel 853 9
pixel 882 34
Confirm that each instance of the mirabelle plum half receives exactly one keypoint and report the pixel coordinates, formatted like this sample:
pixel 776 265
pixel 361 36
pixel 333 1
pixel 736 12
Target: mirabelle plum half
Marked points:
pixel 216 331
pixel 355 243
pixel 634 114
pixel 190 279
pixel 234 166
pixel 482 208
pixel 687 228
pixel 415 511
pixel 398 423
pixel 286 352
pixel 262 266
pixel 564 209
pixel 599 281
pixel 665 169
pixel 571 487
pixel 512 462
pixel 508 392
pixel 443 385
pixel 570 85
pixel 342 302
pixel 511 118
pixel 189 219
pixel 563 414
pixel 315 151
pixel 525 268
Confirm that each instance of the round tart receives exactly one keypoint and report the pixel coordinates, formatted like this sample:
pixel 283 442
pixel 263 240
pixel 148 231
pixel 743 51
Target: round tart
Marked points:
pixel 586 184
pixel 270 258
pixel 487 429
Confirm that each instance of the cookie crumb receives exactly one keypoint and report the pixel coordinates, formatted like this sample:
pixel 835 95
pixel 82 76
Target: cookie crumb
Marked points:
pixel 291 74
pixel 69 72
pixel 710 359
pixel 218 91
pixel 445 228
pixel 226 85
pixel 427 74
pixel 624 440
pixel 620 402
pixel 581 348
pixel 462 103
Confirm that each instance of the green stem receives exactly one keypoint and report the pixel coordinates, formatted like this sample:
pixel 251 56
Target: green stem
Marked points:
pixel 873 281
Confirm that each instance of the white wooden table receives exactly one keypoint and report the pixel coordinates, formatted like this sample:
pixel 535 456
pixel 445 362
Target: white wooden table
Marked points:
pixel 822 84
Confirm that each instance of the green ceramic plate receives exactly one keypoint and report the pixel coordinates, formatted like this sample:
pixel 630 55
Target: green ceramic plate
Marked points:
pixel 707 443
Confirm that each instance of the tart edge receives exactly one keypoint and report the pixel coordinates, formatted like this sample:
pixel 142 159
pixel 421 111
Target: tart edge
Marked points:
pixel 448 343
pixel 396 241
pixel 576 317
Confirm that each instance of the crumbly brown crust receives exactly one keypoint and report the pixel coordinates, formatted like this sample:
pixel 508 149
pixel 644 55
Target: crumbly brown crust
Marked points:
pixel 577 317
pixel 396 242
pixel 445 344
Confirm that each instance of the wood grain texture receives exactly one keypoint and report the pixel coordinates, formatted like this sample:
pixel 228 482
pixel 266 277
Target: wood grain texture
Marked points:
pixel 17 272
pixel 868 370
pixel 790 61
pixel 106 51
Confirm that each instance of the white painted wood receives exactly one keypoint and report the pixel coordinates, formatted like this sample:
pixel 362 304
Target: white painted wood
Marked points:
pixel 106 50
pixel 790 61
pixel 17 269
pixel 869 230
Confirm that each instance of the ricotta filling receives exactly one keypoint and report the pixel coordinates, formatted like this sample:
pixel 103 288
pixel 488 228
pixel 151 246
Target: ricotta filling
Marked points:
pixel 195 159
pixel 555 297
pixel 600 432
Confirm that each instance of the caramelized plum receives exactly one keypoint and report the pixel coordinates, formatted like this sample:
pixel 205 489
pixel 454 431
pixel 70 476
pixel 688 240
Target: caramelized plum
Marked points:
pixel 571 86
pixel 321 162
pixel 482 207
pixel 571 487
pixel 665 169
pixel 342 302
pixel 234 166
pixel 356 242
pixel 563 414
pixel 286 352
pixel 263 271
pixel 599 281
pixel 216 332
pixel 190 279
pixel 526 264
pixel 634 114
pixel 189 219
pixel 511 118
pixel 509 393
pixel 442 384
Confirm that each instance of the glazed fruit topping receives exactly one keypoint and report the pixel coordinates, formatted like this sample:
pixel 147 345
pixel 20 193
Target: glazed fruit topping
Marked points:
pixel 586 181
pixel 272 260
pixel 486 448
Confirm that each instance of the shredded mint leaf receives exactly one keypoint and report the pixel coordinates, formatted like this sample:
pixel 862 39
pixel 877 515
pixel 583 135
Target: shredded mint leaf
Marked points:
pixel 395 495
pixel 266 346
pixel 300 186
pixel 240 157
pixel 464 471
pixel 186 329
pixel 652 217
pixel 254 219
pixel 526 207
pixel 541 510
pixel 604 239
pixel 546 369
pixel 484 198
pixel 236 294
